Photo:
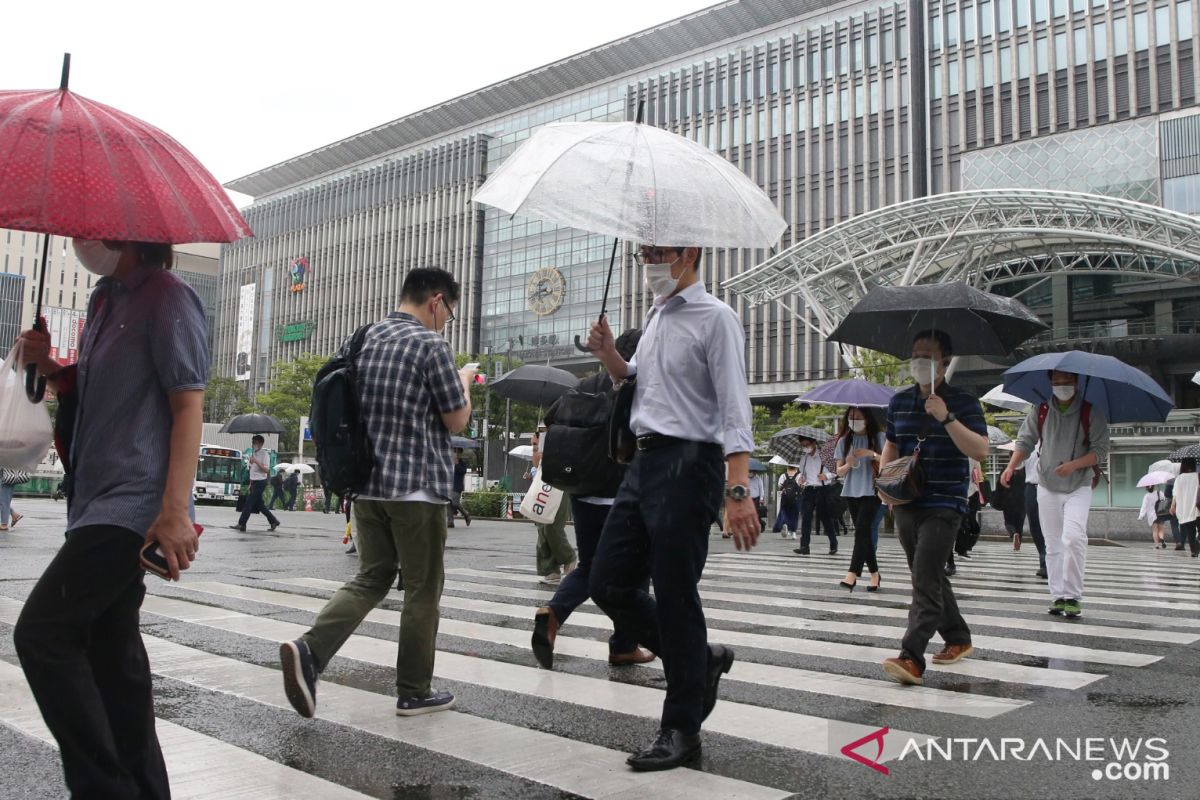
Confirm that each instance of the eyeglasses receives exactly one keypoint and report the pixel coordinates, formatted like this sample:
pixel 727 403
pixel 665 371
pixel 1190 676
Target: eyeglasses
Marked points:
pixel 449 311
pixel 652 255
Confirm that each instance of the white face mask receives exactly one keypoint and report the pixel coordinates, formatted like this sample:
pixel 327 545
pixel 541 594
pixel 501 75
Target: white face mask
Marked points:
pixel 809 450
pixel 858 425
pixel 1063 393
pixel 95 257
pixel 921 369
pixel 658 279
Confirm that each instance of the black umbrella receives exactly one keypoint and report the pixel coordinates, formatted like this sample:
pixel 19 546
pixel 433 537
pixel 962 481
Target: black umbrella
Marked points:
pixel 1191 451
pixel 978 323
pixel 252 423
pixel 463 443
pixel 786 443
pixel 536 385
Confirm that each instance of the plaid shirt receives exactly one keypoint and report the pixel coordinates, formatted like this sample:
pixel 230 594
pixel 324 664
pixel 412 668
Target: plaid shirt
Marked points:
pixel 407 380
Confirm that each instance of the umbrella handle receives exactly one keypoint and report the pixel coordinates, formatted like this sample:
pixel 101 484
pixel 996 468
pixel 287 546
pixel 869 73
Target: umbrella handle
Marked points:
pixel 35 387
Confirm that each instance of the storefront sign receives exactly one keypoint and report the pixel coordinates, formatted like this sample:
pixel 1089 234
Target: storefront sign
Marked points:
pixel 295 331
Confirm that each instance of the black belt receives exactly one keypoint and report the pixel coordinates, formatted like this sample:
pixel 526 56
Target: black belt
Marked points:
pixel 653 441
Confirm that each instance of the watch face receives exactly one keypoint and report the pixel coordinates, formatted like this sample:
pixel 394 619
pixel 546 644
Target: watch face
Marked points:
pixel 545 291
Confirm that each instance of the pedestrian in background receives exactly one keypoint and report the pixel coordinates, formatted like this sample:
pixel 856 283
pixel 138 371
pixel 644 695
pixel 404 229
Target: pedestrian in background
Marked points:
pixel 948 425
pixel 1071 436
pixel 757 494
pixel 412 400
pixel 9 480
pixel 857 454
pixel 139 384
pixel 1176 532
pixel 812 478
pixel 277 495
pixel 456 493
pixel 1183 504
pixel 291 485
pixel 1152 503
pixel 787 519
pixel 1031 510
pixel 553 552
pixel 260 464
pixel 691 417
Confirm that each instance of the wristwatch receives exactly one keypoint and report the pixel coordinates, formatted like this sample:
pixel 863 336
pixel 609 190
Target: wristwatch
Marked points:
pixel 737 492
pixel 949 418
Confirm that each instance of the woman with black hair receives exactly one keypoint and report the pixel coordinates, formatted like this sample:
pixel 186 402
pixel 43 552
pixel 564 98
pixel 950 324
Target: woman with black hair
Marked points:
pixel 857 456
pixel 1183 503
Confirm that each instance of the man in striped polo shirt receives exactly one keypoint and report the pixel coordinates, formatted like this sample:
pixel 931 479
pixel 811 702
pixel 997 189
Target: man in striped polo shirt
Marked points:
pixel 949 425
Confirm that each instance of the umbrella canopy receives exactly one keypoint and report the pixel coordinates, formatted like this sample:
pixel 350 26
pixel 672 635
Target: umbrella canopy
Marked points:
pixel 1196 378
pixel 1122 392
pixel 997 437
pixel 303 469
pixel 1191 451
pixel 779 462
pixel 978 323
pixel 635 182
pixel 463 443
pixel 786 443
pixel 756 465
pixel 1155 478
pixel 75 167
pixel 537 385
pixel 996 396
pixel 1166 465
pixel 524 451
pixel 855 392
pixel 252 423
pixel 1009 446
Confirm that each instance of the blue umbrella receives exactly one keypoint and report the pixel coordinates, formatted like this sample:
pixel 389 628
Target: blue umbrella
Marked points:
pixel 756 465
pixel 855 392
pixel 1123 393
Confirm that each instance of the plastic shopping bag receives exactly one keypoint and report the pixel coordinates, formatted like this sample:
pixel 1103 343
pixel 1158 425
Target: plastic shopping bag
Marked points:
pixel 25 429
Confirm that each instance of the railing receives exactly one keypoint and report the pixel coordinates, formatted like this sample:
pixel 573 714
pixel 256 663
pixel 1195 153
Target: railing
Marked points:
pixel 1114 329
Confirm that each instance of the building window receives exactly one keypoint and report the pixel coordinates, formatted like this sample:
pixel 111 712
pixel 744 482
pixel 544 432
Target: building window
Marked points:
pixel 1141 32
pixel 935 33
pixel 1183 19
pixel 1120 36
pixel 952 29
pixel 985 19
pixel 1006 64
pixel 1022 14
pixel 1081 55
pixel 1100 40
pixel 1162 26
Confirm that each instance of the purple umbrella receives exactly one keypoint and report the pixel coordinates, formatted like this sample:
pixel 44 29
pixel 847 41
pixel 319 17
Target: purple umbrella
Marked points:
pixel 855 392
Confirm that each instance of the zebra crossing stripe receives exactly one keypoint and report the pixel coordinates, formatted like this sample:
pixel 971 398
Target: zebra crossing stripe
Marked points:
pixel 1030 647
pixel 973 667
pixel 783 729
pixel 579 768
pixel 887 692
pixel 200 767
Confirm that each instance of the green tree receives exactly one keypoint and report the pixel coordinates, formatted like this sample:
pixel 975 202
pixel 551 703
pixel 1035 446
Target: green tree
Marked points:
pixel 880 367
pixel 291 395
pixel 225 398
pixel 819 416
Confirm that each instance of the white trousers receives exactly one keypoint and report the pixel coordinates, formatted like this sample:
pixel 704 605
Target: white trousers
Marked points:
pixel 1064 517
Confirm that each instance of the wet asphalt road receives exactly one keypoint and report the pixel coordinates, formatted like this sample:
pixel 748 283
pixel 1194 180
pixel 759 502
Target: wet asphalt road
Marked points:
pixel 1148 591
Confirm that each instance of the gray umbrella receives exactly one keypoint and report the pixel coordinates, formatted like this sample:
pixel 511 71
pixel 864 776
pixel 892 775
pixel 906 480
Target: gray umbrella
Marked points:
pixel 463 443
pixel 252 423
pixel 536 385
pixel 978 323
pixel 997 437
pixel 786 443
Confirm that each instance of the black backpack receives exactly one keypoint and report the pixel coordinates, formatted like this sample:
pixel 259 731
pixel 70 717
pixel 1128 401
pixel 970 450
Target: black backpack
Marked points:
pixel 790 492
pixel 574 449
pixel 344 450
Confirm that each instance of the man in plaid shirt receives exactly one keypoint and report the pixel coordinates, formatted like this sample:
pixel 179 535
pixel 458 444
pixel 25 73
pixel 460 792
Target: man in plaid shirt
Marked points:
pixel 412 399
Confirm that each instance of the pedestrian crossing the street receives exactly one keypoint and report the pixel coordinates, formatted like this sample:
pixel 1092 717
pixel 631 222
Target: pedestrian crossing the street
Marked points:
pixel 807 681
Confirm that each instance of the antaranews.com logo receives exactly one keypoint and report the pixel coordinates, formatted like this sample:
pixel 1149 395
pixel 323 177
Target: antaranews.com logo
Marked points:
pixel 1106 758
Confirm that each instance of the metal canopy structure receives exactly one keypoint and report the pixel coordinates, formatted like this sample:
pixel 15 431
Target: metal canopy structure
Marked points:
pixel 983 238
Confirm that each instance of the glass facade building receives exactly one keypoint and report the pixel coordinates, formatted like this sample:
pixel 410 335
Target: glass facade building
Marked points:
pixel 834 108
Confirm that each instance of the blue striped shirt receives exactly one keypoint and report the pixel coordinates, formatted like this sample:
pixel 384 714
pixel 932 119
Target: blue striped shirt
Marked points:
pixel 146 338
pixel 946 469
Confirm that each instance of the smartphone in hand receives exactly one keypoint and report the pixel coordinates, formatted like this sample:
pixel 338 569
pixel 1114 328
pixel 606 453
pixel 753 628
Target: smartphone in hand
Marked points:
pixel 153 560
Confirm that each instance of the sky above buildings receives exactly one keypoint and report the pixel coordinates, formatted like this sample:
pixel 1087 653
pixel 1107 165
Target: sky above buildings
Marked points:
pixel 248 84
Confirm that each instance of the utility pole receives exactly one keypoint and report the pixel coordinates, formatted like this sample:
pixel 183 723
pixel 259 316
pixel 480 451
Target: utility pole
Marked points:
pixel 487 408
pixel 507 407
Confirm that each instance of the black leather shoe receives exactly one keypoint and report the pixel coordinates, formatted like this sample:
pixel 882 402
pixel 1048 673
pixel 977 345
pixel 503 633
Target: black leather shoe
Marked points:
pixel 720 661
pixel 545 630
pixel 669 750
pixel 951 569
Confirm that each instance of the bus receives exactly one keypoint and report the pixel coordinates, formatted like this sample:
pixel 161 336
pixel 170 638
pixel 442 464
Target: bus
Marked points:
pixel 220 473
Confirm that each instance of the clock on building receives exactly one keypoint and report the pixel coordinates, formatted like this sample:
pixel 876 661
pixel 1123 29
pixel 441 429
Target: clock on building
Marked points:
pixel 546 291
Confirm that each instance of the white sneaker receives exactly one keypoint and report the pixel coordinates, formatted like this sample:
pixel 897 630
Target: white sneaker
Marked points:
pixel 792 536
pixel 550 580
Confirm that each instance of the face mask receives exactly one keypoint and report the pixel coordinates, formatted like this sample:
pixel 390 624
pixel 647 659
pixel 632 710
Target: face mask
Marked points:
pixel 659 280
pixel 921 369
pixel 858 425
pixel 1063 393
pixel 810 450
pixel 95 257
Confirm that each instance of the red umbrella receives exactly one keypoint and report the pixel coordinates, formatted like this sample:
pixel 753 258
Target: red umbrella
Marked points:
pixel 70 166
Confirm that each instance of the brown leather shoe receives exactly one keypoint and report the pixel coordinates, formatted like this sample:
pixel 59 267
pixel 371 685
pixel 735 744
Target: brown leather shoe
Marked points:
pixel 545 630
pixel 638 655
pixel 953 653
pixel 904 670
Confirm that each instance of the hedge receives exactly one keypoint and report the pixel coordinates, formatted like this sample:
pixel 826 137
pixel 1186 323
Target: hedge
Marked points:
pixel 484 504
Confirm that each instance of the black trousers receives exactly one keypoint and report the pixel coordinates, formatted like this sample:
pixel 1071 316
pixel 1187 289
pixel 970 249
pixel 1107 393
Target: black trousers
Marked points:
pixel 79 644
pixel 1188 531
pixel 255 505
pixel 927 536
pixel 658 528
pixel 1035 522
pixel 863 510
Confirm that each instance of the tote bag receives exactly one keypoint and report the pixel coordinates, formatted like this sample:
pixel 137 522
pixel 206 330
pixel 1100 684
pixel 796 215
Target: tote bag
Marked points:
pixel 541 503
pixel 25 429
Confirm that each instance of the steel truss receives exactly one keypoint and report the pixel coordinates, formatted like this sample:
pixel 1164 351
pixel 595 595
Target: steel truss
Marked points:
pixel 984 238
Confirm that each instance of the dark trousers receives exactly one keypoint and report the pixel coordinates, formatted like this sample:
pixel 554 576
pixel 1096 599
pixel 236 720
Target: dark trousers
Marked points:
pixel 455 506
pixel 1188 531
pixel 786 518
pixel 927 536
pixel 1176 530
pixel 277 498
pixel 658 527
pixel 254 504
pixel 573 589
pixel 79 644
pixel 290 503
pixel 1035 522
pixel 863 510
pixel 808 512
pixel 829 504
pixel 1014 516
